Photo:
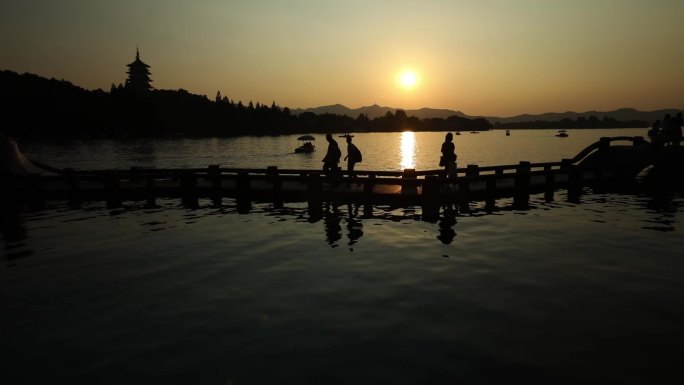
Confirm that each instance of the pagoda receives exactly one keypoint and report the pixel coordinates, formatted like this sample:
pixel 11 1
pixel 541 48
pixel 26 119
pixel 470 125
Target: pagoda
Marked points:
pixel 138 75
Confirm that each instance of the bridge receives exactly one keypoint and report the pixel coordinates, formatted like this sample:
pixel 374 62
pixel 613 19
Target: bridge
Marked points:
pixel 606 162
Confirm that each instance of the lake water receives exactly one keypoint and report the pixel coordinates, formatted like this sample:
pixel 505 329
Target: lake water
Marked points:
pixel 381 151
pixel 564 292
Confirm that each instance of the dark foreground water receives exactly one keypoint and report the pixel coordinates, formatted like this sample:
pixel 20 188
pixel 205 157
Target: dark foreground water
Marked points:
pixel 569 293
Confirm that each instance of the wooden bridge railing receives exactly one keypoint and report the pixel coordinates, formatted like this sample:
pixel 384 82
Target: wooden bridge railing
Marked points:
pixel 429 188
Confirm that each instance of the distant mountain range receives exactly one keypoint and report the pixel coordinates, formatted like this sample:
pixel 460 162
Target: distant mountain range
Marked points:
pixel 374 111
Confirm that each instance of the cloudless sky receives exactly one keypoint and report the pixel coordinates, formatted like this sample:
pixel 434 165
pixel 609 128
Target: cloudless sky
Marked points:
pixel 482 57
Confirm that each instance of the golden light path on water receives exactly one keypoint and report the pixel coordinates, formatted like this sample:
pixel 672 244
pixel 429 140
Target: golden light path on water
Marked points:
pixel 408 149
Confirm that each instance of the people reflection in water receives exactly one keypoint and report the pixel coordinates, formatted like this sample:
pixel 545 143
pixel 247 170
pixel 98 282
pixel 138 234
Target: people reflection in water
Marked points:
pixel 333 229
pixel 446 226
pixel 354 225
pixel 448 159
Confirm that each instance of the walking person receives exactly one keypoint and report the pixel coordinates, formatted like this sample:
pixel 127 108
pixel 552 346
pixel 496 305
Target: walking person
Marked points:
pixel 353 156
pixel 654 133
pixel 332 157
pixel 677 123
pixel 448 158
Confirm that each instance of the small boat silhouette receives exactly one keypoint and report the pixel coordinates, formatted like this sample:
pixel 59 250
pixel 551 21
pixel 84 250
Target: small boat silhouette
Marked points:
pixel 307 146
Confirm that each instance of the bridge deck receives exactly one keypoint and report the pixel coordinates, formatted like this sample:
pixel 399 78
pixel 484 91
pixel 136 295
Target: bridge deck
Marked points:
pixel 598 163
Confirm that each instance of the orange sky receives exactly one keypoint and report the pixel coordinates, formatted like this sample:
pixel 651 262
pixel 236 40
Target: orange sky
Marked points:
pixel 489 57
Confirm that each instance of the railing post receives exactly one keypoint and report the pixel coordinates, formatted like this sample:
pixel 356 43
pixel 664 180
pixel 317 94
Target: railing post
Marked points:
pixel 274 177
pixel 601 179
pixel 242 185
pixel 604 144
pixel 549 186
pixel 638 141
pixel 490 194
pixel 150 192
pixel 315 196
pixel 409 180
pixel 566 164
pixel 463 197
pixel 214 173
pixel 521 196
pixel 368 185
pixel 409 173
pixel 574 182
pixel 112 190
pixel 74 193
pixel 189 189
pixel 472 170
pixel 134 174
pixel 430 198
pixel 35 193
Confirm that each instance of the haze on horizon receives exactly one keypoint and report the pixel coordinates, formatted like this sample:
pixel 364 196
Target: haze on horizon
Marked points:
pixel 492 57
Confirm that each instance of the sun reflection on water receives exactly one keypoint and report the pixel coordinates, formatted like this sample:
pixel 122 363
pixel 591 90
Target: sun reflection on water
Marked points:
pixel 408 149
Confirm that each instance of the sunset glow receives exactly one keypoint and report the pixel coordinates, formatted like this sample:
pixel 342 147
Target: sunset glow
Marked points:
pixel 408 79
pixel 533 57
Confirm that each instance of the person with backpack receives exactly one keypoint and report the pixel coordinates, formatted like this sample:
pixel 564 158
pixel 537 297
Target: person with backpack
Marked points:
pixel 353 156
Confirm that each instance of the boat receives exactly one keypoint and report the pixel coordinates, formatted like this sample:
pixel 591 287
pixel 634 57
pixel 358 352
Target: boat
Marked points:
pixel 508 132
pixel 562 134
pixel 307 145
pixel 458 132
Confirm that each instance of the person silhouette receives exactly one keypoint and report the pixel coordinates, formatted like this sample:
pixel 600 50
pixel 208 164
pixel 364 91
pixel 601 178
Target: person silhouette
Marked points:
pixel 353 156
pixel 332 156
pixel 448 158
pixel 677 123
pixel 654 132
pixel 666 130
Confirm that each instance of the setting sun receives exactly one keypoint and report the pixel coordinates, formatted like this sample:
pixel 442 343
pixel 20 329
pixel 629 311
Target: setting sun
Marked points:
pixel 408 79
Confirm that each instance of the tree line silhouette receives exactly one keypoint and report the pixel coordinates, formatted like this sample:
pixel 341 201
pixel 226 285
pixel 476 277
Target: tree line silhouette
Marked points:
pixel 57 109
pixel 51 108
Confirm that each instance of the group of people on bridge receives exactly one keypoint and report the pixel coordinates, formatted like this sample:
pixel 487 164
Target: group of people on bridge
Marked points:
pixel 333 155
pixel 668 132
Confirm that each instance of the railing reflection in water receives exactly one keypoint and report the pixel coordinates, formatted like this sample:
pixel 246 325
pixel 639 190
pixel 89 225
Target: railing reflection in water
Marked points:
pixel 343 223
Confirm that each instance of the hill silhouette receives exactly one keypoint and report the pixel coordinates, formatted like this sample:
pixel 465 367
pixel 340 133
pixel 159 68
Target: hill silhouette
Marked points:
pixel 622 115
pixel 376 111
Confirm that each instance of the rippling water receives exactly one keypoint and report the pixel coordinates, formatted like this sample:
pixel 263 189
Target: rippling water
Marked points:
pixel 565 292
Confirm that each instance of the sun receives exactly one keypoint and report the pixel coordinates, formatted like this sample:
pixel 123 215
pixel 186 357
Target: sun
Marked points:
pixel 408 79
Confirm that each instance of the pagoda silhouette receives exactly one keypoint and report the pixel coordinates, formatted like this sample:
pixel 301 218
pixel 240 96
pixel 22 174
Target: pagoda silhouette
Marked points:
pixel 138 75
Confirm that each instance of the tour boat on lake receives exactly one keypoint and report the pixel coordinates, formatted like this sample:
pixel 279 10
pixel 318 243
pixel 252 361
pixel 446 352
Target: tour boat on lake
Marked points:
pixel 307 146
